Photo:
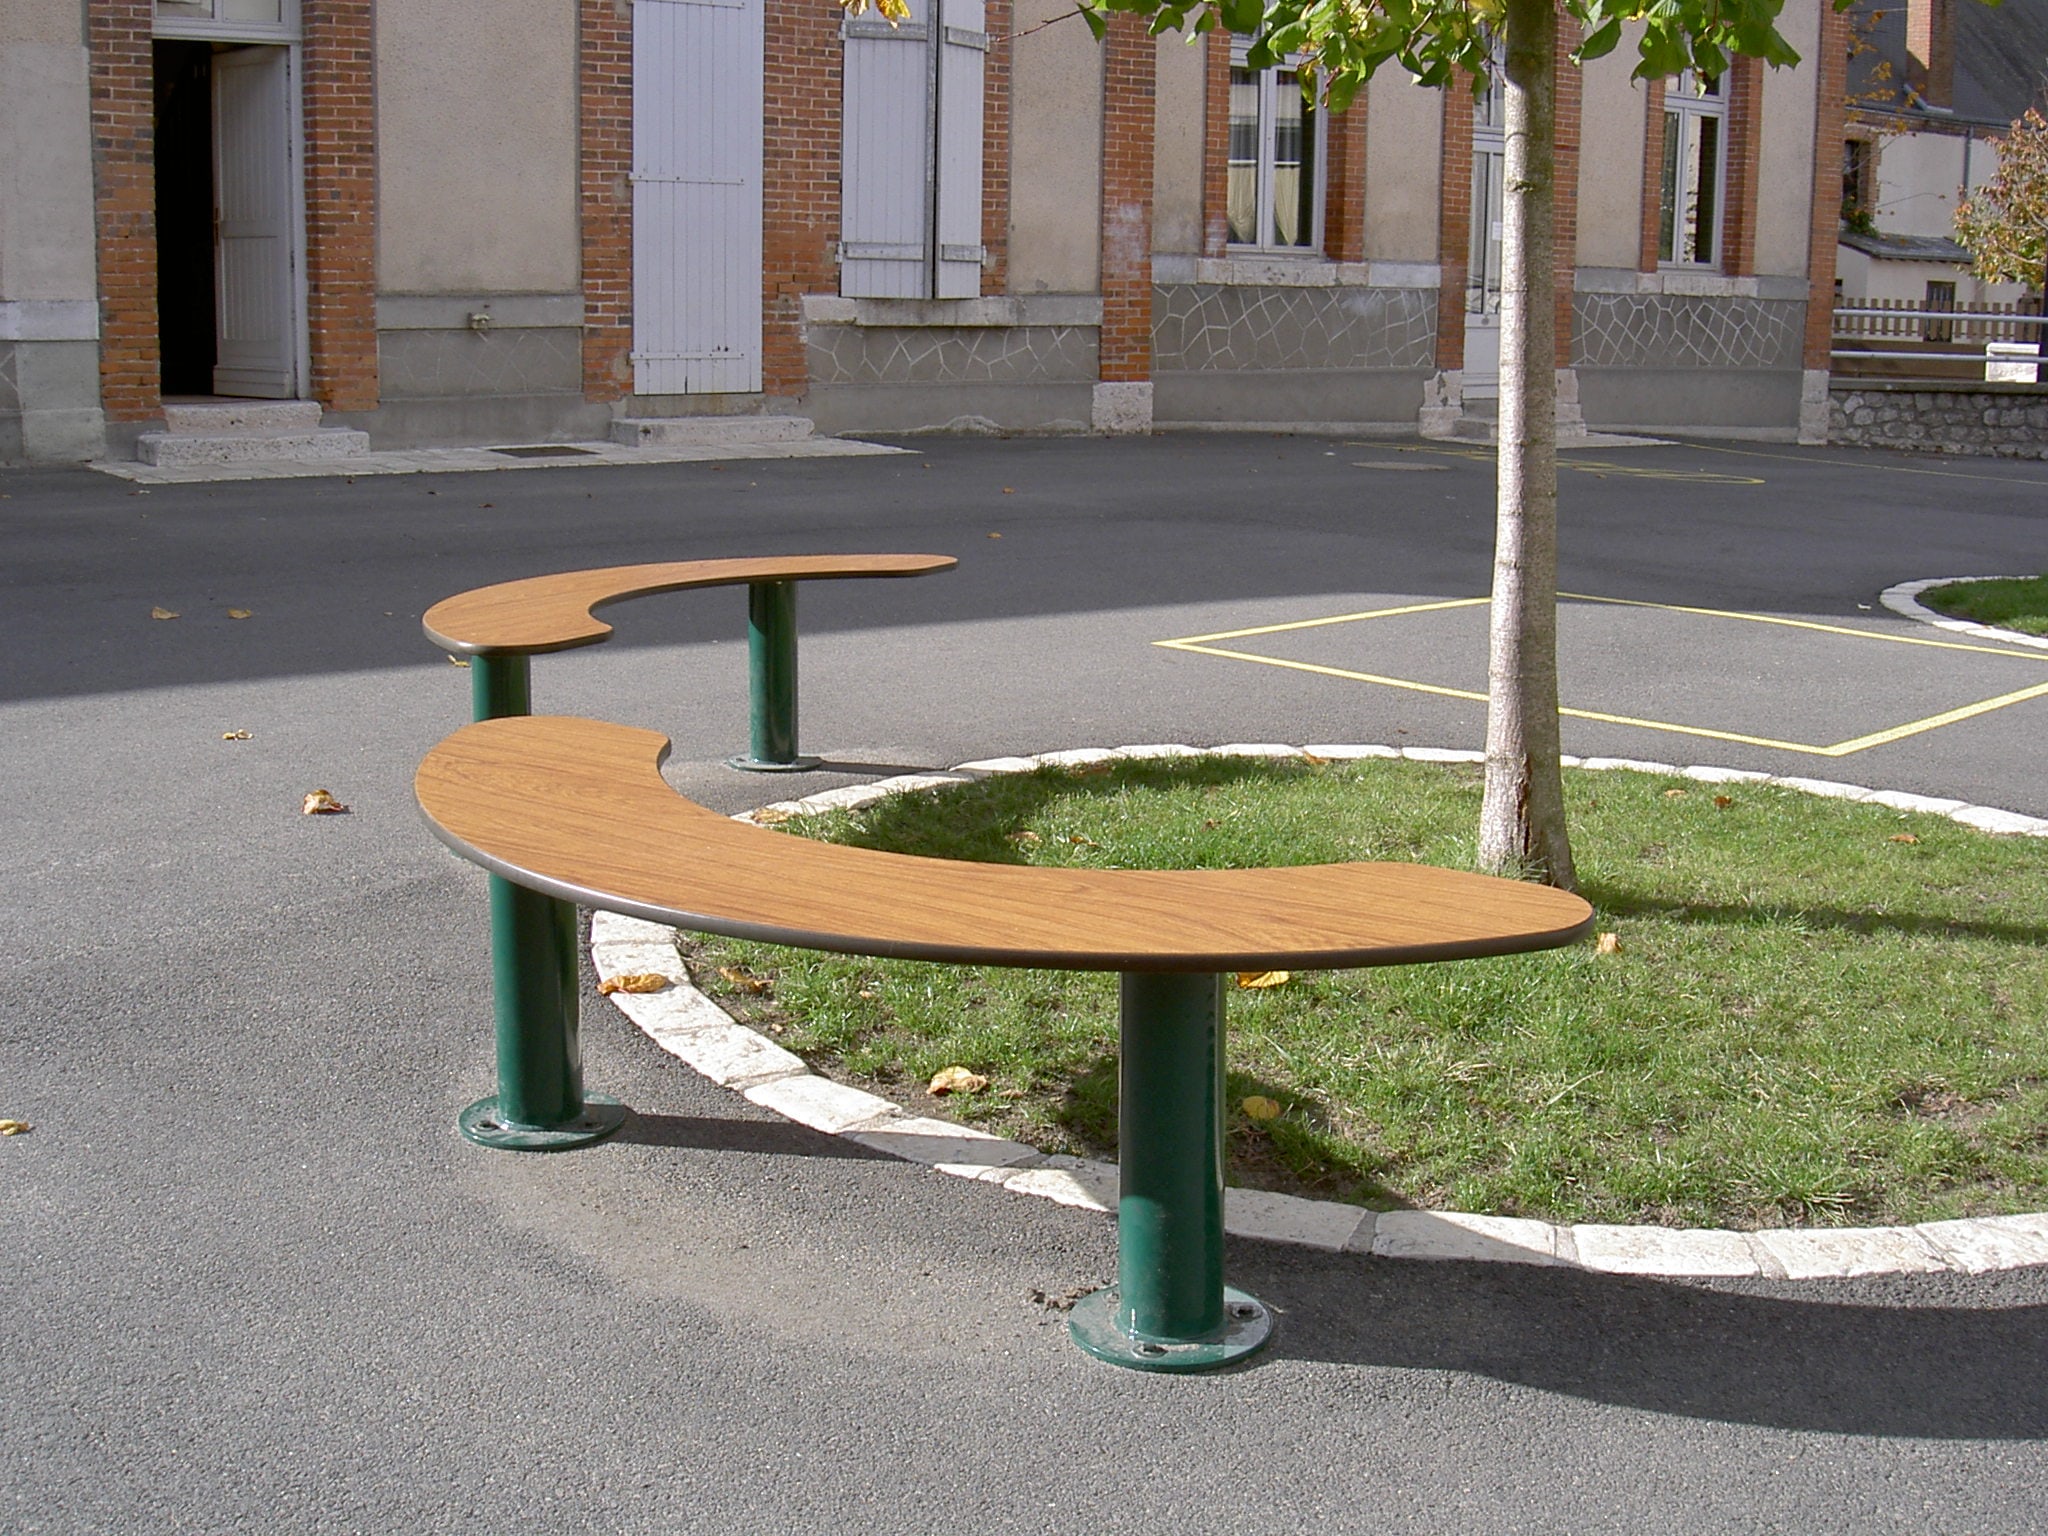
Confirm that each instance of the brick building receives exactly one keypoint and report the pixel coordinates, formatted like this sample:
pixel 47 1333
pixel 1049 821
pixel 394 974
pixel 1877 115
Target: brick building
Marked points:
pixel 518 221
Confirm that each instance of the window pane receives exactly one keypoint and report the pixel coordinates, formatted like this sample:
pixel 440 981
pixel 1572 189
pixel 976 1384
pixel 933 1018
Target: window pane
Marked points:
pixel 1243 195
pixel 250 10
pixel 1667 204
pixel 183 9
pixel 1705 188
pixel 1294 164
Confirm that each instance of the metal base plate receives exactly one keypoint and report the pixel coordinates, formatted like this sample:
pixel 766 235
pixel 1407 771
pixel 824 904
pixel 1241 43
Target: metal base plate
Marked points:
pixel 1247 1329
pixel 601 1116
pixel 757 765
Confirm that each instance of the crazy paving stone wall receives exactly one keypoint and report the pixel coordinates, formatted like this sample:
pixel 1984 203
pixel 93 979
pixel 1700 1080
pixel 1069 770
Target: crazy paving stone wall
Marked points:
pixel 930 354
pixel 1202 327
pixel 1650 330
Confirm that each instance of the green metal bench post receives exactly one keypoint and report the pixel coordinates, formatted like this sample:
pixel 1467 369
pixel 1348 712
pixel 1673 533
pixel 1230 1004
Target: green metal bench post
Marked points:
pixel 771 680
pixel 1170 1310
pixel 540 1105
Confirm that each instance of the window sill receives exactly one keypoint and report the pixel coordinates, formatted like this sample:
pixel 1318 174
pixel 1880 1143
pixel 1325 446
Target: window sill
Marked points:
pixel 1688 282
pixel 1274 270
pixel 1032 309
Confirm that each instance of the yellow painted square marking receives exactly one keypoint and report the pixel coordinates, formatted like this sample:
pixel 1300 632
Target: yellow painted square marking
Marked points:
pixel 1213 645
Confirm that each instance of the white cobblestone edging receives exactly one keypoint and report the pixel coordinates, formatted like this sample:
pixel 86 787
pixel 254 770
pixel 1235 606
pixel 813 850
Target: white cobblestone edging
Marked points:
pixel 1902 600
pixel 690 1026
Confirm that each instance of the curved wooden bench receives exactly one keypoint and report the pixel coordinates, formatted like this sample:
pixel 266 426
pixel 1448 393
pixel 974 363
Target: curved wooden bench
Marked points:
pixel 499 627
pixel 577 810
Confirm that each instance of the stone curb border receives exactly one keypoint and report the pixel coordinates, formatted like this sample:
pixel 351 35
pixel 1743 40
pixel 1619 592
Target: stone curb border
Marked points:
pixel 688 1025
pixel 1901 600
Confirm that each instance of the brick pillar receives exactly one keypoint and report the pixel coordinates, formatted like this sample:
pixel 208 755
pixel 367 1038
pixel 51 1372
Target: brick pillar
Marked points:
pixel 1123 400
pixel 1454 225
pixel 1570 112
pixel 340 115
pixel 1653 174
pixel 995 146
pixel 1831 61
pixel 1745 135
pixel 1344 184
pixel 124 198
pixel 800 182
pixel 605 196
pixel 1216 144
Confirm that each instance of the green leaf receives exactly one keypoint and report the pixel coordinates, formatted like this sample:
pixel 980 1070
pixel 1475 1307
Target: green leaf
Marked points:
pixel 1600 42
pixel 1243 16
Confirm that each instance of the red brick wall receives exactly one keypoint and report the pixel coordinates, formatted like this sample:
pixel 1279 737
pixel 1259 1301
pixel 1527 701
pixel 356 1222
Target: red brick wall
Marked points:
pixel 1128 72
pixel 800 182
pixel 1831 60
pixel 1454 225
pixel 341 201
pixel 605 195
pixel 124 195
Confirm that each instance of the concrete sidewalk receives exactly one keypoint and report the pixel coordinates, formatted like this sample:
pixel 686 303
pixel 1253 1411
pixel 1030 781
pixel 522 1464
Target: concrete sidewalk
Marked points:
pixel 257 1281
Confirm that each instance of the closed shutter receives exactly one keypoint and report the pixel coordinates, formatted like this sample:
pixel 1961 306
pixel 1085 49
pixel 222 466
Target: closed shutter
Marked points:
pixel 910 169
pixel 962 47
pixel 697 78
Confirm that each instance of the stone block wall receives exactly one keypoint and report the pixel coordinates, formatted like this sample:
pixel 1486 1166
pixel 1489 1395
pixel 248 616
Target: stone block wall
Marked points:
pixel 2008 421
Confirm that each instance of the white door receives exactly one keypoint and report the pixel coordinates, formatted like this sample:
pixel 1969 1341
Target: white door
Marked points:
pixel 253 177
pixel 697 71
pixel 1483 269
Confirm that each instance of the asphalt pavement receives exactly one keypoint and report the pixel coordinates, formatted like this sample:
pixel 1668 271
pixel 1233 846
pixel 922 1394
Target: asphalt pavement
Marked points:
pixel 255 1280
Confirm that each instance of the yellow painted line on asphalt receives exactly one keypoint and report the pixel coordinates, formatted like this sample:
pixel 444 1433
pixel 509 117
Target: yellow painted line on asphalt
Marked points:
pixel 1889 469
pixel 1826 629
pixel 1205 645
pixel 1606 467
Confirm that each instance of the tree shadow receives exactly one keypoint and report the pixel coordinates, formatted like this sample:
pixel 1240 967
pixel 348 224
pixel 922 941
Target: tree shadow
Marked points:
pixel 1615 903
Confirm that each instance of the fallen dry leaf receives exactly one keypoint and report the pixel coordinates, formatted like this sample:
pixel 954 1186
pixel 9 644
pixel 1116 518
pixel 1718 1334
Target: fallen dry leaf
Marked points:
pixel 637 981
pixel 769 816
pixel 1083 842
pixel 458 661
pixel 745 980
pixel 162 613
pixel 14 1127
pixel 1607 944
pixel 955 1080
pixel 1253 981
pixel 320 803
pixel 995 535
pixel 1722 802
pixel 1009 490
pixel 239 613
pixel 1024 837
pixel 1258 1107
pixel 1310 757
pixel 1904 837
pixel 234 735
pixel 1675 794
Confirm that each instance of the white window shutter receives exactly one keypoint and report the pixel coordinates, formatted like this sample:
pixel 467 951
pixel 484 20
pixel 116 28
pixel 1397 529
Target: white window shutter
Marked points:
pixel 963 45
pixel 886 157
pixel 697 144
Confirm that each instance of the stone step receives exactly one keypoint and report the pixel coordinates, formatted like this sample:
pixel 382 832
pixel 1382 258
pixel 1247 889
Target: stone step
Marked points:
pixel 708 431
pixel 221 418
pixel 319 445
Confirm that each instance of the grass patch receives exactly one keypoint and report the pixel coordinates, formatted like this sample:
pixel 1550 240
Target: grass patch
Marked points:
pixel 2016 602
pixel 1821 1012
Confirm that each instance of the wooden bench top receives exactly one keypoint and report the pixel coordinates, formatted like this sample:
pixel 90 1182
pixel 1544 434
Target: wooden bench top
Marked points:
pixel 578 809
pixel 556 613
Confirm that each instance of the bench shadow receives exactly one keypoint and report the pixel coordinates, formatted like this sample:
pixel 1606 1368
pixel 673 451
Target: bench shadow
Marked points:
pixel 768 1138
pixel 1900 1359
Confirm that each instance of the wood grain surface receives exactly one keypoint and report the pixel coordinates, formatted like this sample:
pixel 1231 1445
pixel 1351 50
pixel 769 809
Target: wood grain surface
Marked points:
pixel 556 613
pixel 578 808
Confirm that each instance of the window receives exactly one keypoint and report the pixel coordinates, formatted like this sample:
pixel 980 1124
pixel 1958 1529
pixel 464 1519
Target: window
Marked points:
pixel 237 17
pixel 1275 190
pixel 1695 171
pixel 1940 297
pixel 910 166
pixel 1489 182
pixel 1859 179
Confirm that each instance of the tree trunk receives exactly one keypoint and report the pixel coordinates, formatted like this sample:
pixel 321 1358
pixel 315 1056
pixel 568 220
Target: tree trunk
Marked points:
pixel 1521 823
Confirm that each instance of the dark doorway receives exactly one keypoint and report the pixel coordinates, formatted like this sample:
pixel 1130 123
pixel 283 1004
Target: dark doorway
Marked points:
pixel 184 217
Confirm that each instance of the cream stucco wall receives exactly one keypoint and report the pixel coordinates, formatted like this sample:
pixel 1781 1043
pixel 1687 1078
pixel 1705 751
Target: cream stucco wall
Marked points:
pixel 1614 114
pixel 1403 160
pixel 1784 209
pixel 41 21
pixel 1918 175
pixel 1055 153
pixel 476 147
pixel 46 207
pixel 1177 148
